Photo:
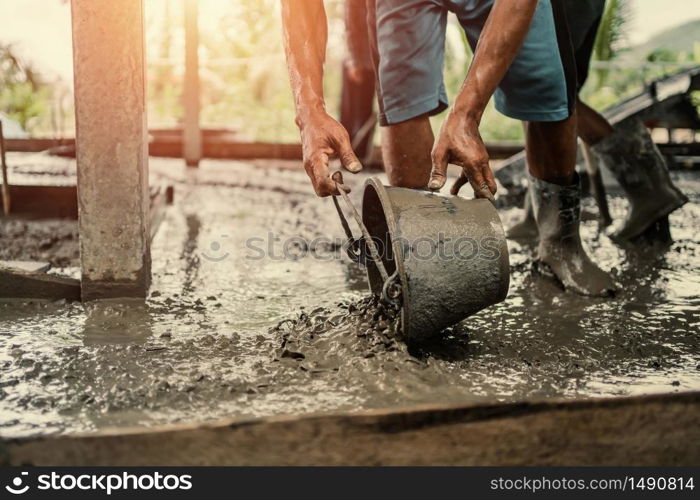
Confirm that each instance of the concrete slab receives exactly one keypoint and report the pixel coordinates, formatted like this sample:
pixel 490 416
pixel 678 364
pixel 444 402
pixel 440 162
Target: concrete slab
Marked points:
pixel 210 342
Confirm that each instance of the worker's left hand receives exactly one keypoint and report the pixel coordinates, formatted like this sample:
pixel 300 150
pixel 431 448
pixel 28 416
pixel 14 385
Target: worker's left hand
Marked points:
pixel 460 143
pixel 322 137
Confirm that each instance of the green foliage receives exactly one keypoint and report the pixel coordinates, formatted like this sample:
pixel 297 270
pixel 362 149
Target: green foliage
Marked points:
pixel 250 86
pixel 612 31
pixel 611 35
pixel 242 67
pixel 664 54
pixel 24 103
pixel 695 98
pixel 23 97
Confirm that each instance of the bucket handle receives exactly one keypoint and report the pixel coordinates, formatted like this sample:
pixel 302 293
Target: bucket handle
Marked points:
pixel 392 289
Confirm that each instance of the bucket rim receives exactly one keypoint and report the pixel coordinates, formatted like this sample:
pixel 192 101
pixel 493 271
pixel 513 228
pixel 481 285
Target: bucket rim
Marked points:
pixel 392 226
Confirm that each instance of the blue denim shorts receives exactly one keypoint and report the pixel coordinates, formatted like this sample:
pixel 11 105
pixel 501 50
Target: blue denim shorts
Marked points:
pixel 409 50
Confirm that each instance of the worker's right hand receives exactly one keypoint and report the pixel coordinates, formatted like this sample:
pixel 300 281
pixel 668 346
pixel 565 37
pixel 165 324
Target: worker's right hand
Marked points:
pixel 460 143
pixel 322 137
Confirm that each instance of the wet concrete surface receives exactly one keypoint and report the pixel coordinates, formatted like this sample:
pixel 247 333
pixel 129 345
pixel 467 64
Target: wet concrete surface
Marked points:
pixel 237 326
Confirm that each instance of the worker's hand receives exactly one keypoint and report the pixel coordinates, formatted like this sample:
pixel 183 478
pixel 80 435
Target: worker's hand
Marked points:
pixel 322 137
pixel 460 143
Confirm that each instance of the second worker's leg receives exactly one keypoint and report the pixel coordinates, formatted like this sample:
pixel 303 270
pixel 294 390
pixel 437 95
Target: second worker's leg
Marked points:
pixel 592 126
pixel 556 200
pixel 629 152
pixel 406 150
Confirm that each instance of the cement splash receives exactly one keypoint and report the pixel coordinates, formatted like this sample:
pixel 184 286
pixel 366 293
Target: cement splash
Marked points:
pixel 246 320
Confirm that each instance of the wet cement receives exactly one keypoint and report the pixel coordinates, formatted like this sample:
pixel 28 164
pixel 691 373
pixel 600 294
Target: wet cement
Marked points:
pixel 227 332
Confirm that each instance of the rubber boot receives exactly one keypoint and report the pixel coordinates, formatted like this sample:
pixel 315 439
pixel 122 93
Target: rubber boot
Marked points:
pixel 557 211
pixel 640 169
pixel 525 229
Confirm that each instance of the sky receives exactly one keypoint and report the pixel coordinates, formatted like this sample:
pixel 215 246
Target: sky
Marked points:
pixel 40 29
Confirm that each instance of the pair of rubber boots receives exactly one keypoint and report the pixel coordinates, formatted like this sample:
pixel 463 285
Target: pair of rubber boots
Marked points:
pixel 554 212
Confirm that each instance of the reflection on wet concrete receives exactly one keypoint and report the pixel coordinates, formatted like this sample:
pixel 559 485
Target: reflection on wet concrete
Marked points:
pixel 116 322
pixel 242 323
pixel 189 252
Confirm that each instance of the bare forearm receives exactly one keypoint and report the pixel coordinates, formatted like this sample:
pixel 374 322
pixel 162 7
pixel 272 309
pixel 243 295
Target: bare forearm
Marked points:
pixel 499 43
pixel 305 36
pixel 459 140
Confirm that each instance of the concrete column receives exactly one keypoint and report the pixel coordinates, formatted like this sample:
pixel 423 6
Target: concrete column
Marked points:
pixel 192 135
pixel 112 147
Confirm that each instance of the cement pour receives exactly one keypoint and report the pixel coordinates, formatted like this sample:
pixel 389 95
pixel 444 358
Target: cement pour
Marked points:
pixel 230 332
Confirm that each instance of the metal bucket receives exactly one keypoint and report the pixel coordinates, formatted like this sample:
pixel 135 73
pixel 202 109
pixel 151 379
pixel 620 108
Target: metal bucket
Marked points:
pixel 444 257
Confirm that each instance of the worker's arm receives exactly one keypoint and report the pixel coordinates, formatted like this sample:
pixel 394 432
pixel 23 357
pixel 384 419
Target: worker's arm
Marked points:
pixel 305 35
pixel 459 141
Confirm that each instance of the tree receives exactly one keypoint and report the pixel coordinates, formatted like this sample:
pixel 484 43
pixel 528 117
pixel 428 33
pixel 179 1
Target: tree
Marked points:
pixel 23 96
pixel 612 34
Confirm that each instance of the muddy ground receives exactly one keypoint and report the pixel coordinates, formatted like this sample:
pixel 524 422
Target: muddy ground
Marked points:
pixel 239 326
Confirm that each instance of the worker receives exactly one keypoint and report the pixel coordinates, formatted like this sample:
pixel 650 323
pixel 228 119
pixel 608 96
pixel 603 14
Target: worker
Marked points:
pixel 522 53
pixel 627 150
